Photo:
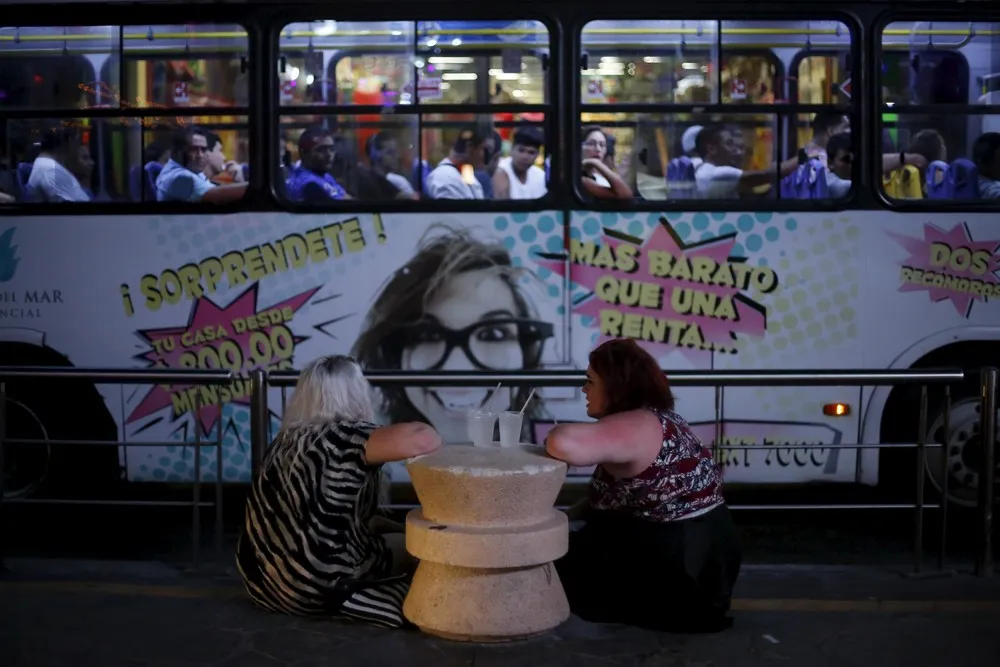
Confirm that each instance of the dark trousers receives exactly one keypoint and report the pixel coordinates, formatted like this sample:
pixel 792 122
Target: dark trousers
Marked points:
pixel 676 576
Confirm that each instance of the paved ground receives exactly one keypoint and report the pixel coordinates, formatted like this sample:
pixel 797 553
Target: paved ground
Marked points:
pixel 55 613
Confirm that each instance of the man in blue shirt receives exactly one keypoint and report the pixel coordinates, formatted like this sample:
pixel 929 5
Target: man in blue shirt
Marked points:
pixel 182 177
pixel 312 181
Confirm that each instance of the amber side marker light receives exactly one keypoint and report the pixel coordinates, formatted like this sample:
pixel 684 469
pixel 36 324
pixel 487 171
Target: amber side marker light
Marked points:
pixel 836 409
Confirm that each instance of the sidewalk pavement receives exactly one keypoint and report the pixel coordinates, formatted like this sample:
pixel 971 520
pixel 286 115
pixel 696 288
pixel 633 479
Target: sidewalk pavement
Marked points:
pixel 149 614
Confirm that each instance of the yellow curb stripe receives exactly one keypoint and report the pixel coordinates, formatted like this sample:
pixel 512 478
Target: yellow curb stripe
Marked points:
pixel 739 604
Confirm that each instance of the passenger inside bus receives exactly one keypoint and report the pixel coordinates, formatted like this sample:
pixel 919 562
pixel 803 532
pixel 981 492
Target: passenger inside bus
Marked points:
pixel 494 151
pixel 52 178
pixel 454 177
pixel 825 125
pixel 219 169
pixel 517 177
pixel 312 181
pixel 598 179
pixel 183 179
pixel 383 180
pixel 986 156
pixel 658 548
pixel 319 482
pixel 840 160
pixel 718 178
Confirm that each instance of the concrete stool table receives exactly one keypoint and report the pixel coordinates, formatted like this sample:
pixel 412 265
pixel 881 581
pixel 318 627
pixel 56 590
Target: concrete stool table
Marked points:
pixel 486 535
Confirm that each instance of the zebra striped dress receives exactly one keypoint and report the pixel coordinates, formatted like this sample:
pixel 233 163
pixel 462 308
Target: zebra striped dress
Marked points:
pixel 306 547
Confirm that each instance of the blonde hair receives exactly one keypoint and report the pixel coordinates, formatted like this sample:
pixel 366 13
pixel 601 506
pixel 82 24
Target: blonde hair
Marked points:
pixel 330 389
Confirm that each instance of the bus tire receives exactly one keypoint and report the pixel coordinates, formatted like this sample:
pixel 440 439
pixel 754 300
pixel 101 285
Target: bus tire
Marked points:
pixel 897 467
pixel 56 410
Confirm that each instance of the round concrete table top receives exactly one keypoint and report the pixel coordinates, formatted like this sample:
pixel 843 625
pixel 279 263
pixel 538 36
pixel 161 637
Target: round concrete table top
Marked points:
pixel 487 486
pixel 465 459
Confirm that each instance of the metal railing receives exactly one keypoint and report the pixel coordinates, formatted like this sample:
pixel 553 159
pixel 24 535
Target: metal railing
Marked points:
pixel 719 380
pixel 260 416
pixel 130 377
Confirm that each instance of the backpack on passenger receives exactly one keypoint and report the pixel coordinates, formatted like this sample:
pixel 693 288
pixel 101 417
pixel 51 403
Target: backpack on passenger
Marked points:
pixel 903 183
pixel 806 182
pixel 956 181
pixel 680 178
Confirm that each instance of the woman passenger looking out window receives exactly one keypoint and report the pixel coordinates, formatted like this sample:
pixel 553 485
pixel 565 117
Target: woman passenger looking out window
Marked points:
pixel 311 543
pixel 599 180
pixel 659 548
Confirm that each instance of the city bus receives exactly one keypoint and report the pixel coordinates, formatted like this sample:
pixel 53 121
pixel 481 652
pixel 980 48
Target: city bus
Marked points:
pixel 252 185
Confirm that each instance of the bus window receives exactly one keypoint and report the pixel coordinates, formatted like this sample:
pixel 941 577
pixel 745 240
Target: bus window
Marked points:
pixel 175 68
pixel 931 154
pixel 167 81
pixel 667 70
pixel 496 70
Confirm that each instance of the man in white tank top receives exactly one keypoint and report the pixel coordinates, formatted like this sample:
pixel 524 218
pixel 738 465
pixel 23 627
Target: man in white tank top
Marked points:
pixel 516 176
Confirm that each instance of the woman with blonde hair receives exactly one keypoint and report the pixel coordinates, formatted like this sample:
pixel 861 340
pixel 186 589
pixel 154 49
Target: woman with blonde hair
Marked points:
pixel 309 546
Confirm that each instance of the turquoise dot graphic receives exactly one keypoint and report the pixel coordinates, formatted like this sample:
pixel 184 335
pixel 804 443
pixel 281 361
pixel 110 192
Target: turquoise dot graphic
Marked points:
pixel 231 472
pixel 653 219
pixel 707 235
pixel 546 224
pixel 509 242
pixel 727 228
pixel 519 217
pixel 554 244
pixel 575 233
pixel 560 310
pixel 180 466
pixel 772 234
pixel 174 477
pixel 516 261
pixel 212 233
pixel 745 222
pixel 672 216
pixel 171 450
pixel 762 261
pixel 159 473
pixel 763 217
pixel 636 228
pixel 591 226
pixel 164 461
pixel 630 214
pixel 176 232
pixel 700 222
pixel 718 215
pixel 609 219
pixel 249 233
pixel 791 224
pixel 238 459
pixel 528 234
pixel 197 240
pixel 754 242
pixel 683 230
pixel 738 251
pixel 500 223
pixel 553 291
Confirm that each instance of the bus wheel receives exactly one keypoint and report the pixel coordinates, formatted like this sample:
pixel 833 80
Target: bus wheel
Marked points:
pixel 962 449
pixel 25 467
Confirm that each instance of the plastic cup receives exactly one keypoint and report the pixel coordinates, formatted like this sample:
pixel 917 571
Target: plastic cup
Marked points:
pixel 480 425
pixel 510 429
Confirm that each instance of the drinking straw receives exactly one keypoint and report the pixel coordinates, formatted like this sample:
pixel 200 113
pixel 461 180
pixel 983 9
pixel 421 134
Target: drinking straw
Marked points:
pixel 489 403
pixel 528 400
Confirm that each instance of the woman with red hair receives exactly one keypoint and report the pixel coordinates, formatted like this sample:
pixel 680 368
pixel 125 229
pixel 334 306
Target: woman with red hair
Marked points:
pixel 659 548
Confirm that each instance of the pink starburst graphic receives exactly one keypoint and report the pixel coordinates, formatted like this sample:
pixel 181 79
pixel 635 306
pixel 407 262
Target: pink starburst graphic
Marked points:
pixel 241 338
pixel 949 265
pixel 712 256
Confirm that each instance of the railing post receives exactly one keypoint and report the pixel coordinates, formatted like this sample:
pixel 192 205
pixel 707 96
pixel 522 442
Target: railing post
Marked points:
pixel 918 529
pixel 259 418
pixel 3 435
pixel 987 470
